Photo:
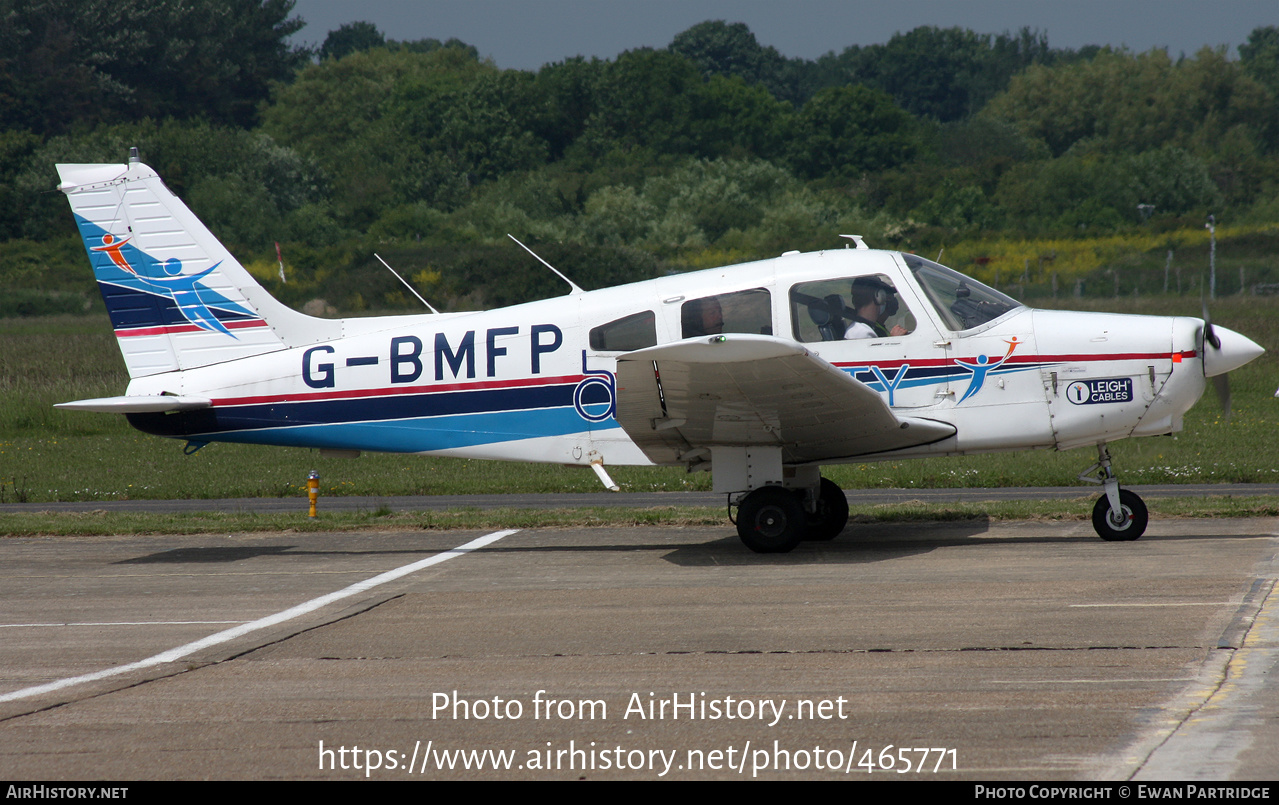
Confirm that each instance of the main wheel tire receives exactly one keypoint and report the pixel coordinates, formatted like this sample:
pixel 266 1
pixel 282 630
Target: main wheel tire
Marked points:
pixel 771 520
pixel 832 513
pixel 1129 527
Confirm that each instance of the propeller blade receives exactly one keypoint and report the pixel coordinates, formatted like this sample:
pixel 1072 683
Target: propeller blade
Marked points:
pixel 1222 384
pixel 1217 362
pixel 1210 336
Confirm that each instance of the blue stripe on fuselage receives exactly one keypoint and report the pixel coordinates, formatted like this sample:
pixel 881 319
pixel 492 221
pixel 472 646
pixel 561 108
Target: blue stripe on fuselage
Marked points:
pixel 422 434
pixel 929 375
pixel 407 423
pixel 396 406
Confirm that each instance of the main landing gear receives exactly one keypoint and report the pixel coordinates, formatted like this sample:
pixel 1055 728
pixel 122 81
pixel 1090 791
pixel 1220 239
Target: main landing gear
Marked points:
pixel 773 519
pixel 1119 515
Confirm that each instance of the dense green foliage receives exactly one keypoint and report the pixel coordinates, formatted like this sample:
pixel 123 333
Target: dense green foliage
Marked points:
pixel 714 149
pixel 69 62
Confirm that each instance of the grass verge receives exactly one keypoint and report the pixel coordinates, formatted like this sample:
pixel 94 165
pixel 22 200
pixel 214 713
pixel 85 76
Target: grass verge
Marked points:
pixel 103 523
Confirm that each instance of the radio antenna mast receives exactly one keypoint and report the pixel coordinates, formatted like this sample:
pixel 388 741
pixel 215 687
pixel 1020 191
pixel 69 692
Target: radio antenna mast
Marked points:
pixel 406 284
pixel 570 282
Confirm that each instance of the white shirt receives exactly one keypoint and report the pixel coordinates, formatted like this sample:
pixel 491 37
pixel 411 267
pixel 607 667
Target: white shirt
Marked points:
pixel 859 329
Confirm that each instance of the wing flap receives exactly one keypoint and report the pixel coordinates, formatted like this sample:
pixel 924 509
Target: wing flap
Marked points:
pixel 755 390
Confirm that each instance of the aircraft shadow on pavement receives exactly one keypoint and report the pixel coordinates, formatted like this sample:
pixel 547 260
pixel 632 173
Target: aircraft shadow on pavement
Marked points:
pixel 858 544
pixel 207 555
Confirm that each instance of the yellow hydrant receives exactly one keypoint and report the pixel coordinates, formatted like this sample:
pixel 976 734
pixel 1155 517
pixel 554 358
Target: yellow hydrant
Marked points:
pixel 313 490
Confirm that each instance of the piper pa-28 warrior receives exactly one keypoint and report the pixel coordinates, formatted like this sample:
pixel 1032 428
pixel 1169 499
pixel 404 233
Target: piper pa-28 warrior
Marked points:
pixel 761 373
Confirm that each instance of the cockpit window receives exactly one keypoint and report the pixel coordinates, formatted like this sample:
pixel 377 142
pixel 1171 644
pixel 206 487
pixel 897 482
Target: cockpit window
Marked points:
pixel 962 302
pixel 848 308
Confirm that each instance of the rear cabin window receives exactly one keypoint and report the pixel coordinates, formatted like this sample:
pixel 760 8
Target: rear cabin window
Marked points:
pixel 742 312
pixel 625 334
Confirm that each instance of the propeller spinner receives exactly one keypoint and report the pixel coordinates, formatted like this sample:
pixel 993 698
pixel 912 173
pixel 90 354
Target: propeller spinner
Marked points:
pixel 1224 350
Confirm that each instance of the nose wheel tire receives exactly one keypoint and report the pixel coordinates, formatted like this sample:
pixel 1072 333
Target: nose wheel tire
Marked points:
pixel 832 513
pixel 771 520
pixel 1130 525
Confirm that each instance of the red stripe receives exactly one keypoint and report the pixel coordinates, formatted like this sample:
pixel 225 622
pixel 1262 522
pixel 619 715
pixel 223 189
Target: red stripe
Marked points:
pixel 186 328
pixel 399 390
pixel 1119 356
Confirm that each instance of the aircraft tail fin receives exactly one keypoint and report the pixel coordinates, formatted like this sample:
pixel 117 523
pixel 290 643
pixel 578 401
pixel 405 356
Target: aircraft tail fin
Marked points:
pixel 177 298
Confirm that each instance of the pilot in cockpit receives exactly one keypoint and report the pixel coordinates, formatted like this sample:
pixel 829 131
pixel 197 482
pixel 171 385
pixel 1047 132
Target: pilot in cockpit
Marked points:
pixel 873 303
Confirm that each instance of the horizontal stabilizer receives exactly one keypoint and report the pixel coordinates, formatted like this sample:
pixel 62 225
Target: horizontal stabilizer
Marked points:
pixel 158 403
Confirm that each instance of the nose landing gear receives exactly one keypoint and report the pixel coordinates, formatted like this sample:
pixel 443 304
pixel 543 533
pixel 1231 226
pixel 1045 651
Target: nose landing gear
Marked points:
pixel 1119 515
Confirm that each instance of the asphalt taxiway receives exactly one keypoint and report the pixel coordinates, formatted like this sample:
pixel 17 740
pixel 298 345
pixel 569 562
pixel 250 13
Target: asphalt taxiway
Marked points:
pixel 1029 651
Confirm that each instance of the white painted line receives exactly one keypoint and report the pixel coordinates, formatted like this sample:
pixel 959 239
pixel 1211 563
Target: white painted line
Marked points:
pixel 1088 681
pixel 1160 605
pixel 117 623
pixel 261 623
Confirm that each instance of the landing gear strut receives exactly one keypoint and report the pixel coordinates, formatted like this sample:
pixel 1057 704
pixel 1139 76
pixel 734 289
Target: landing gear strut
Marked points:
pixel 773 519
pixel 1119 515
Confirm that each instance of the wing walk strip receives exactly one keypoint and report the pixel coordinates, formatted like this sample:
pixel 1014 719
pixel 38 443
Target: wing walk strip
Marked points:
pixel 262 623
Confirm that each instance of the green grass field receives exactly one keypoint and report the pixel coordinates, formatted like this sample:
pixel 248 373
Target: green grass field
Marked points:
pixel 52 455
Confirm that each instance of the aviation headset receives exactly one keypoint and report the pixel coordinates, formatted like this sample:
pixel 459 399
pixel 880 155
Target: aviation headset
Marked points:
pixel 866 289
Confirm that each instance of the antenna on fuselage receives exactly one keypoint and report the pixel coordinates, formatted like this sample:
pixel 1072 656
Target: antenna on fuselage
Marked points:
pixel 856 239
pixel 406 284
pixel 570 282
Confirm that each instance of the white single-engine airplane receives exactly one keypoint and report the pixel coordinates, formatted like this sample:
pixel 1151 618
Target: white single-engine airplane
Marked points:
pixel 762 372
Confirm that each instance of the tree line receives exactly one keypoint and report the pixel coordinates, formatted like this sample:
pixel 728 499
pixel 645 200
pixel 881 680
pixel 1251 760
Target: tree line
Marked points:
pixel 715 147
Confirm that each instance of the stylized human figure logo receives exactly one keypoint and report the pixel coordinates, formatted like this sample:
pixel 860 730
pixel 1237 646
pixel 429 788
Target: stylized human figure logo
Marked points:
pixel 184 290
pixel 111 246
pixel 185 293
pixel 982 367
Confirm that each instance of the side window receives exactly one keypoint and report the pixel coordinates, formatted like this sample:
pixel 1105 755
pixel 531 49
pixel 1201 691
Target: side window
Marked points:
pixel 849 308
pixel 625 334
pixel 742 312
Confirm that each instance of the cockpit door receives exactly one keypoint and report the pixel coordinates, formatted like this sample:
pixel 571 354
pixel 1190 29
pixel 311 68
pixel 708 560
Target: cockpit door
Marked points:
pixel 874 327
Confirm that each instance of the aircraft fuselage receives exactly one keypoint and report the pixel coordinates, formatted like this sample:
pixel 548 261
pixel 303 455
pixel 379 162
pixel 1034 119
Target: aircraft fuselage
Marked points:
pixel 524 383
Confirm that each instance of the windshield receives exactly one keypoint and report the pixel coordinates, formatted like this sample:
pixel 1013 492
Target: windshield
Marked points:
pixel 962 302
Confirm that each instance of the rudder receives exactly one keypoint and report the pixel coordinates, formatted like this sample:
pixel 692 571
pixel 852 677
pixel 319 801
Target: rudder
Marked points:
pixel 176 297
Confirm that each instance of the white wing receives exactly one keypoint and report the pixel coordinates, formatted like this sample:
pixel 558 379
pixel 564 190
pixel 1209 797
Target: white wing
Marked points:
pixel 738 389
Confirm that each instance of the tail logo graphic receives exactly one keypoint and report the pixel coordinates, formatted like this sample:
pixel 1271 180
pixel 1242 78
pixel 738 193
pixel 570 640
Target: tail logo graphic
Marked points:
pixel 185 293
pixel 111 246
pixel 189 296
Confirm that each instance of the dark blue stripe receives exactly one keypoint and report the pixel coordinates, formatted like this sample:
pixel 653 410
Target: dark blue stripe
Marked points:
pixel 423 435
pixel 334 412
pixel 129 309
